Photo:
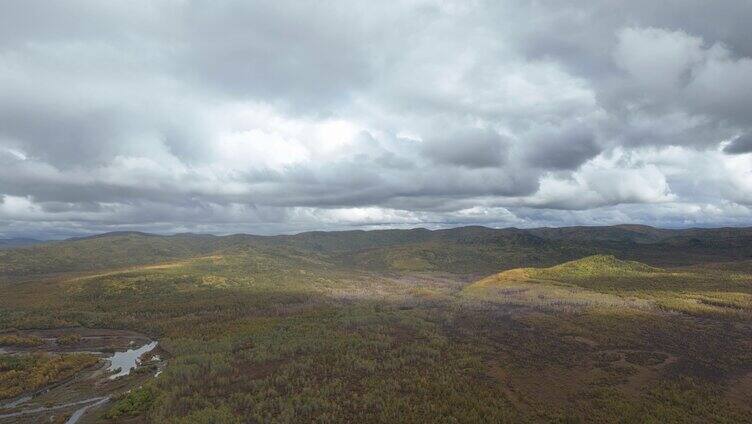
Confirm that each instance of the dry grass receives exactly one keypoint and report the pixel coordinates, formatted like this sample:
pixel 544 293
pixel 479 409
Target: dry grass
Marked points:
pixel 516 287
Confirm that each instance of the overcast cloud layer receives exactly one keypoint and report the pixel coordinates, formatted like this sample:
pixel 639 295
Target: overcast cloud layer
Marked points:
pixel 269 117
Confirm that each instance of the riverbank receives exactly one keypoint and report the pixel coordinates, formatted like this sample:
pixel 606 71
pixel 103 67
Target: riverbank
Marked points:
pixel 126 360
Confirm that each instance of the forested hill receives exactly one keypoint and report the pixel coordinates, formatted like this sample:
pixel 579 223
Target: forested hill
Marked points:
pixel 472 250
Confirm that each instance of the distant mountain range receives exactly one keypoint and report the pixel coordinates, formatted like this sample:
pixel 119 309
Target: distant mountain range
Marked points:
pixel 10 243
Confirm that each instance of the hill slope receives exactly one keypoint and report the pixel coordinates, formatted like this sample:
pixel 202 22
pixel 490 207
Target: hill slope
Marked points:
pixel 595 266
pixel 588 268
pixel 464 250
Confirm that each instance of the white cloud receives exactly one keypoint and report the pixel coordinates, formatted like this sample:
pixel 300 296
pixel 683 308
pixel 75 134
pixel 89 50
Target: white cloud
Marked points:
pixel 601 182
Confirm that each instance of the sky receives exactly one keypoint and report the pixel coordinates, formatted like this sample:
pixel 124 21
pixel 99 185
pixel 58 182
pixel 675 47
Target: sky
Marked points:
pixel 229 116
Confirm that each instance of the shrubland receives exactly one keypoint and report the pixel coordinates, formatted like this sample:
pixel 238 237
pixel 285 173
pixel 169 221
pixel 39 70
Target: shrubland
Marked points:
pixel 21 374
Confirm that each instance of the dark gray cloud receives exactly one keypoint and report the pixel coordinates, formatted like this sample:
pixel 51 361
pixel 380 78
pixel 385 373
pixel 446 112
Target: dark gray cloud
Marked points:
pixel 739 145
pixel 472 148
pixel 232 115
pixel 562 149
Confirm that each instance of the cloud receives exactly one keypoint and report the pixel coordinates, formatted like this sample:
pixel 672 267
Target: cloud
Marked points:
pixel 562 149
pixel 472 148
pixel 658 60
pixel 601 182
pixel 670 69
pixel 229 115
pixel 739 145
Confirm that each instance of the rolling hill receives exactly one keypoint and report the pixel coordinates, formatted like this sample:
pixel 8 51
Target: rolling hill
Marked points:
pixel 464 250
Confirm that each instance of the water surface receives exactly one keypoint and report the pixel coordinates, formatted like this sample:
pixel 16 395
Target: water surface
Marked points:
pixel 127 360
